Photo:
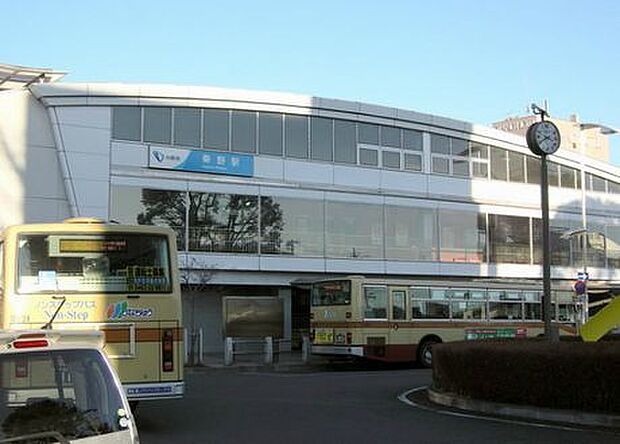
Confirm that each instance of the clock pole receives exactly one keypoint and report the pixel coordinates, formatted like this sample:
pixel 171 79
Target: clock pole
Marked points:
pixel 550 333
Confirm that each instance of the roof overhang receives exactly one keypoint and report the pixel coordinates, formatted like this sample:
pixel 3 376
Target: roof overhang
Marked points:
pixel 16 77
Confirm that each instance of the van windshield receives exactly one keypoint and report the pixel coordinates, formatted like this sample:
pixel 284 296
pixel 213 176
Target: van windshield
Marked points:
pixel 93 263
pixel 66 392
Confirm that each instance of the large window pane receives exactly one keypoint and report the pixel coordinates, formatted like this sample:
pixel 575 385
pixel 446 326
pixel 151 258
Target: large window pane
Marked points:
pixel 478 150
pixel 509 238
pixel 516 166
pixel 225 223
pixel 132 205
pixel 440 144
pixel 567 176
pixel 553 174
pixel 270 134
pixel 563 248
pixel 613 187
pixel 346 148
pixel 391 159
pixel 410 233
pixel 498 164
pixel 126 123
pixel 441 165
pixel 390 136
pixel 413 162
pixel 243 132
pixel 187 127
pixel 369 157
pixel 354 230
pixel 368 133
pixel 296 136
pixel 462 235
pixel 480 169
pixel 599 184
pixel 157 125
pixel 321 140
pixel 460 167
pixel 613 246
pixel 533 170
pixel 459 147
pixel 412 140
pixel 292 226
pixel 216 129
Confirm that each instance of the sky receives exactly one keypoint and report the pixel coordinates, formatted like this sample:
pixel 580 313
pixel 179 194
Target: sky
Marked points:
pixel 478 61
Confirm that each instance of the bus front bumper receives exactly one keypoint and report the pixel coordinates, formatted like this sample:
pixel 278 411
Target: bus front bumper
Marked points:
pixel 338 350
pixel 159 390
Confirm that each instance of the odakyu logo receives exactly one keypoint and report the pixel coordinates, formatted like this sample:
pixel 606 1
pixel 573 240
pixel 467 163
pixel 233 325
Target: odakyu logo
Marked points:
pixel 122 310
pixel 158 155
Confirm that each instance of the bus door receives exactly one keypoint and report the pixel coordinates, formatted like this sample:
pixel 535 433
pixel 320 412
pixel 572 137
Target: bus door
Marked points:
pixel 397 314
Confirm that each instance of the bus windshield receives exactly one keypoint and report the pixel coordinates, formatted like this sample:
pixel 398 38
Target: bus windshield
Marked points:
pixel 331 293
pixel 93 263
pixel 68 392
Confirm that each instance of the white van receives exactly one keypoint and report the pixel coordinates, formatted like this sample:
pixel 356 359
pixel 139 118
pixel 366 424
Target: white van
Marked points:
pixel 58 386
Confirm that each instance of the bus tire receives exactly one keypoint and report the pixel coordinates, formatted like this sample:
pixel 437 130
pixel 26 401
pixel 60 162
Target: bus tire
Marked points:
pixel 425 351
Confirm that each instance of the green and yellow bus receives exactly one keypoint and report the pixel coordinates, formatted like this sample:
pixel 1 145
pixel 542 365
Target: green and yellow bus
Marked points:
pixel 121 280
pixel 400 320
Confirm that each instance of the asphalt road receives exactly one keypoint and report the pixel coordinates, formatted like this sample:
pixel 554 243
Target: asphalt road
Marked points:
pixel 324 407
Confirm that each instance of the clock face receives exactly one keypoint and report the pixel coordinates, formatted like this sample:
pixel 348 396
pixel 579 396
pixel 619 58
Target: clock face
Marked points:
pixel 547 137
pixel 543 138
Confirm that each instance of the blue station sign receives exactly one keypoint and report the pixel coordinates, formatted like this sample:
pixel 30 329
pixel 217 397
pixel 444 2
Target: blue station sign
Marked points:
pixel 201 161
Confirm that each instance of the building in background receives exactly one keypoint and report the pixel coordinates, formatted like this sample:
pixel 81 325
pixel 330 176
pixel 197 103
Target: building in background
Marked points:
pixel 590 139
pixel 267 191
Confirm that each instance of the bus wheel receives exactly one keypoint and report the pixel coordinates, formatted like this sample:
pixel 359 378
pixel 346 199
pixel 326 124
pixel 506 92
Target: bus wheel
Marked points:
pixel 425 352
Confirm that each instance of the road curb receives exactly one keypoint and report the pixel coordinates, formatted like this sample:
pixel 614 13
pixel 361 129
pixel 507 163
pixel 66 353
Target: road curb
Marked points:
pixel 524 412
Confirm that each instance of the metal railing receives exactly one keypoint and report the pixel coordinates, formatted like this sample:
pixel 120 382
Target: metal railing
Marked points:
pixel 268 347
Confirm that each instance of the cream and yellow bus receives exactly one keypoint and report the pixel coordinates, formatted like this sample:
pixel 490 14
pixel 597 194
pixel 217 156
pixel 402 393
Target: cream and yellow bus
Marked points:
pixel 121 280
pixel 400 320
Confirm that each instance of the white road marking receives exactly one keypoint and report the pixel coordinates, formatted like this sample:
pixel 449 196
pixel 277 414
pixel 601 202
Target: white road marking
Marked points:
pixel 403 397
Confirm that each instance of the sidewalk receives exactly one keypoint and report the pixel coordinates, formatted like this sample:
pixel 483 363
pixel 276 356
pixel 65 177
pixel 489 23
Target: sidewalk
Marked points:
pixel 283 362
pixel 448 403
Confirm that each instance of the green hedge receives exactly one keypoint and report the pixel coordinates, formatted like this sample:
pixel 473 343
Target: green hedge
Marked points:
pixel 564 375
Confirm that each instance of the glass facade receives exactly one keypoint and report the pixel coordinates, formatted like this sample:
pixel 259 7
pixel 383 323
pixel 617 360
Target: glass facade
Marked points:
pixel 410 233
pixel 158 125
pixel 223 223
pixel 270 134
pixel 250 224
pixel 341 141
pixel 463 236
pixel 509 239
pixel 187 127
pixel 292 226
pixel 353 230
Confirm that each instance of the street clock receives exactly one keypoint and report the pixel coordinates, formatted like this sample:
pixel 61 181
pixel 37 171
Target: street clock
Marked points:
pixel 543 138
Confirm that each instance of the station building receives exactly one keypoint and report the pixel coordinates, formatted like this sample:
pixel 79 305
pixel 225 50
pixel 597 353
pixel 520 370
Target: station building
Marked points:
pixel 267 191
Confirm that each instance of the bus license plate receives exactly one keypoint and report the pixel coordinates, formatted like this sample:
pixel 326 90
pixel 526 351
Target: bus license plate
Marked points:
pixel 323 336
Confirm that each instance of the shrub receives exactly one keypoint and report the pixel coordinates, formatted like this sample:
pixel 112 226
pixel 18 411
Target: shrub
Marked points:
pixel 565 375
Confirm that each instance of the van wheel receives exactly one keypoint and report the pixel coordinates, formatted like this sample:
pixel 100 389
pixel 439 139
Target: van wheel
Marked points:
pixel 425 352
